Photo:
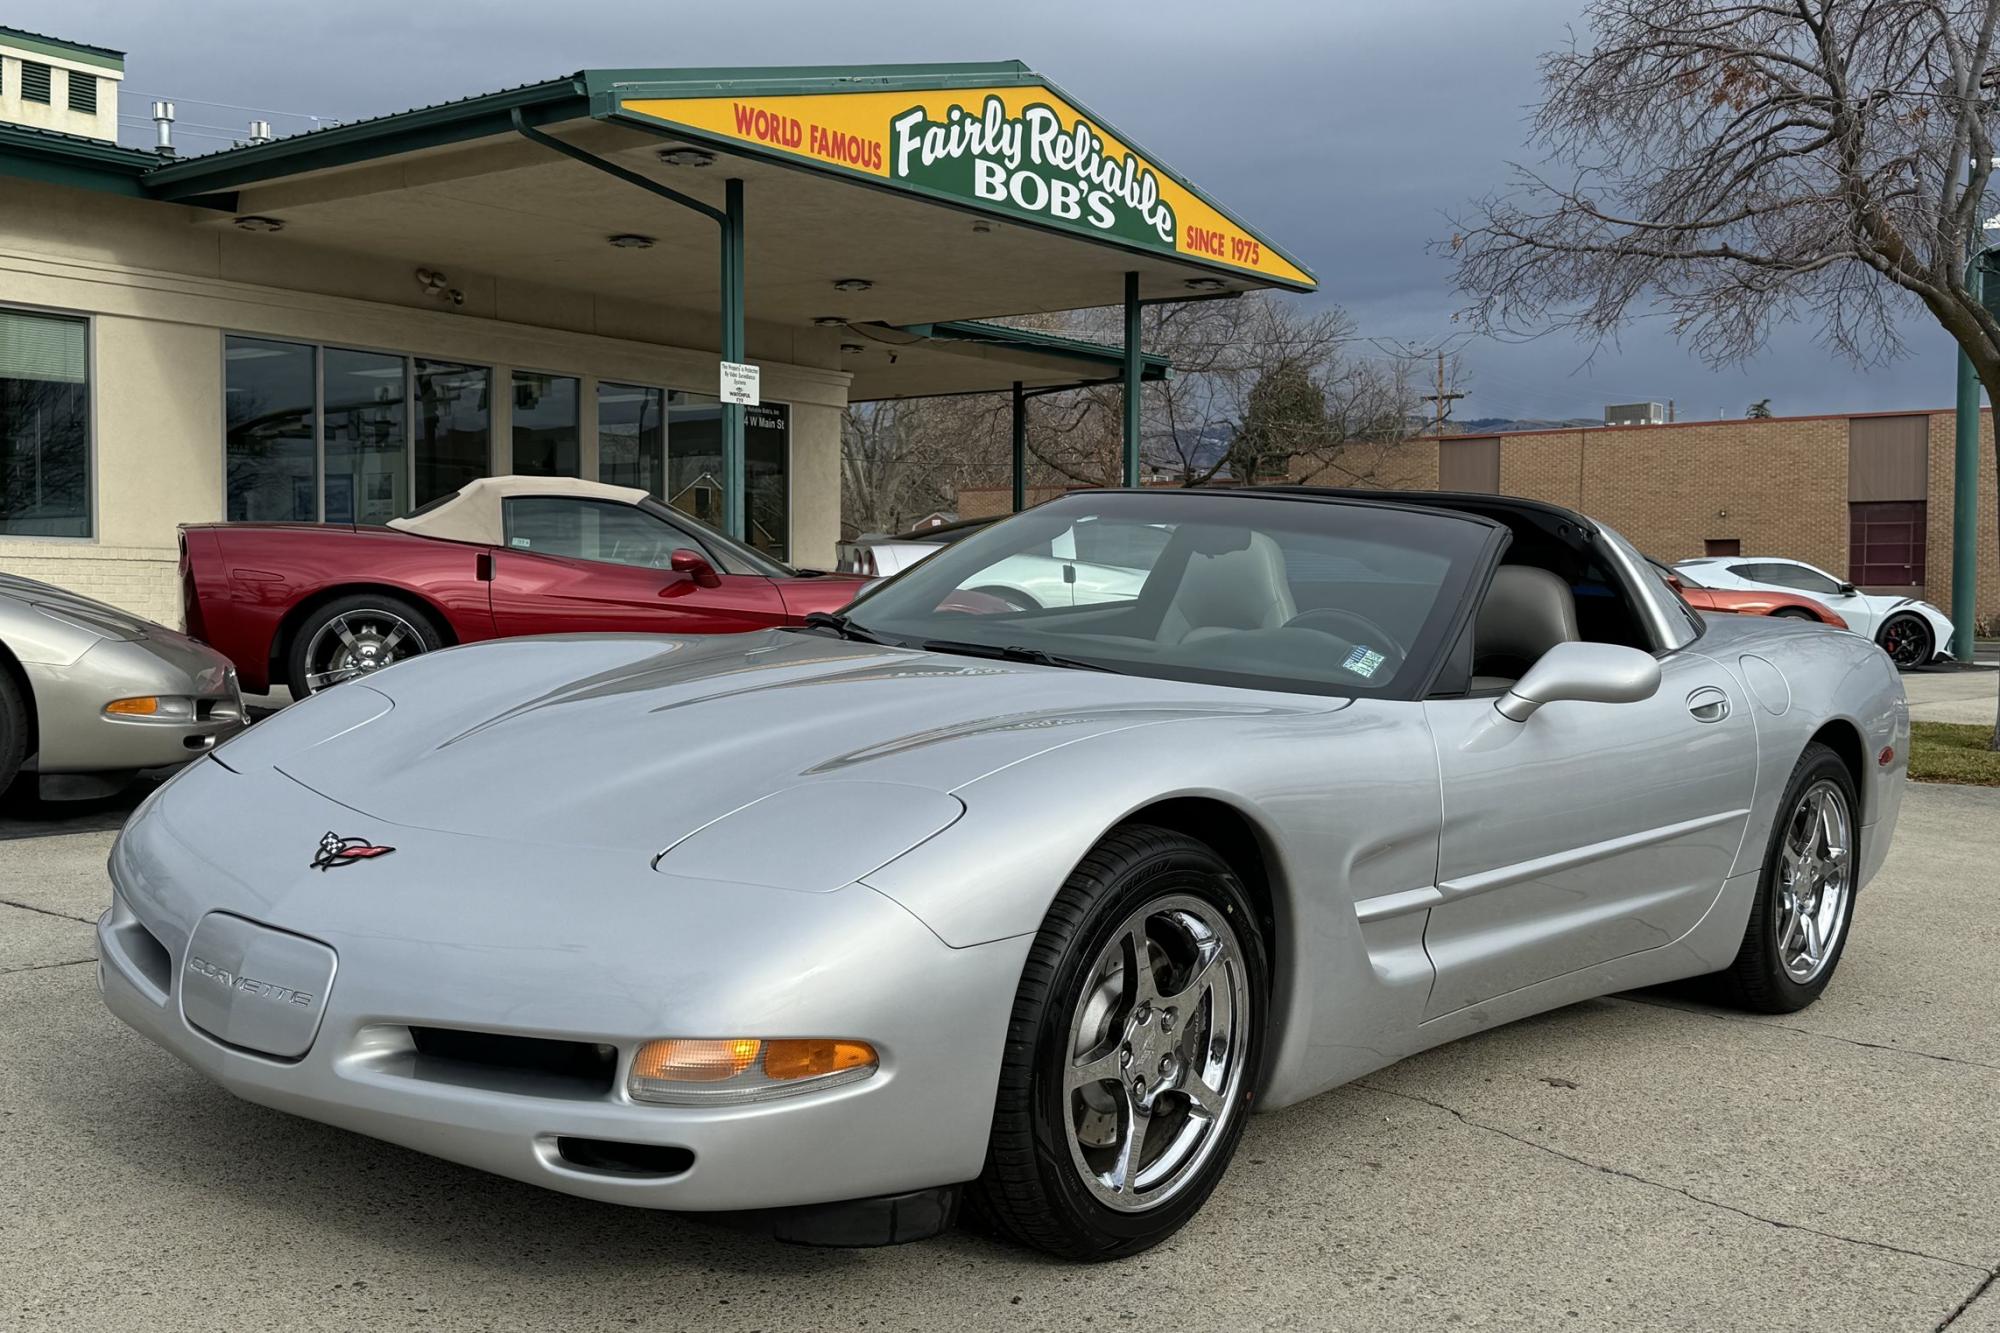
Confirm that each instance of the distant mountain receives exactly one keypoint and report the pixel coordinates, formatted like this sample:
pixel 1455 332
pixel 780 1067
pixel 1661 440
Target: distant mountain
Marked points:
pixel 1504 425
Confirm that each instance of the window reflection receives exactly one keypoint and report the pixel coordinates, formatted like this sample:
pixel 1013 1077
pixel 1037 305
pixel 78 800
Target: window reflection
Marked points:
pixel 453 425
pixel 694 467
pixel 367 454
pixel 44 426
pixel 269 453
pixel 545 440
pixel 632 438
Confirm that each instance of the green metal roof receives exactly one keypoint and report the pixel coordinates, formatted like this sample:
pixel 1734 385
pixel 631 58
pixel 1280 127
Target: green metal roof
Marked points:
pixel 587 94
pixel 74 159
pixel 81 52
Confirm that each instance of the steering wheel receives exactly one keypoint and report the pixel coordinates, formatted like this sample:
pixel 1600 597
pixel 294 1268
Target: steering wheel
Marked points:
pixel 1372 634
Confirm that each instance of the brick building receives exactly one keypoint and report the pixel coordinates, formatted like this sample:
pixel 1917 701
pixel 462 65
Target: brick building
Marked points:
pixel 1867 497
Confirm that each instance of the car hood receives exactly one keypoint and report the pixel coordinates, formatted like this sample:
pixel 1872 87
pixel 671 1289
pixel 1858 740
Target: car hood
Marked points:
pixel 109 620
pixel 639 742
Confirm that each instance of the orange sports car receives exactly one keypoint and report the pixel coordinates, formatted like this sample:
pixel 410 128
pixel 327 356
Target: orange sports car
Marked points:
pixel 1762 602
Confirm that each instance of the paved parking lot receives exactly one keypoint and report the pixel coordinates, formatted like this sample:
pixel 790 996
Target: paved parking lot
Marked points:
pixel 1634 1163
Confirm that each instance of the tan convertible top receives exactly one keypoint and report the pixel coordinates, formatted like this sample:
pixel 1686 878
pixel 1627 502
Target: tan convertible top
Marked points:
pixel 473 515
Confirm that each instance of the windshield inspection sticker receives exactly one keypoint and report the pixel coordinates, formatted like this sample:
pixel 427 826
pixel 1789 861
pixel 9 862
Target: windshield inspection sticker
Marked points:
pixel 1362 661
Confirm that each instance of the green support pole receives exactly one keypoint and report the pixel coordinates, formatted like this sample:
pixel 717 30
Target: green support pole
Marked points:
pixel 736 500
pixel 1134 370
pixel 1020 448
pixel 1965 498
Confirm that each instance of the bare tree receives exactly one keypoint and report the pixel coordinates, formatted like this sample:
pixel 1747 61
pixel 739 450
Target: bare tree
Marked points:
pixel 1737 163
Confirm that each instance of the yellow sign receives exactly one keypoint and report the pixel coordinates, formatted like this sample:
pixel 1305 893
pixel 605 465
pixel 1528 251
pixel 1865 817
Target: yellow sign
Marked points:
pixel 1020 152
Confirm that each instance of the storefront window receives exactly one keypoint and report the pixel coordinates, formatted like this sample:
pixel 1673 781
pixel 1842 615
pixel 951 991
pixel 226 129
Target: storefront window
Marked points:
pixel 269 455
pixel 44 426
pixel 367 437
pixel 545 439
pixel 454 420
pixel 632 438
pixel 694 467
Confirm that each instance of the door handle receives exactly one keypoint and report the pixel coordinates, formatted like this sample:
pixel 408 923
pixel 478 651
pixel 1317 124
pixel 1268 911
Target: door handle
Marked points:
pixel 1708 704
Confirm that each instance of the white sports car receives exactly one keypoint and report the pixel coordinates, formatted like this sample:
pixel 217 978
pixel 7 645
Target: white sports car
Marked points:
pixel 1914 633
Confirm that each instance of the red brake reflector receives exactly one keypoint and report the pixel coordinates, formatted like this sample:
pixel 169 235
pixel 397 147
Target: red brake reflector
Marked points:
pixel 1887 757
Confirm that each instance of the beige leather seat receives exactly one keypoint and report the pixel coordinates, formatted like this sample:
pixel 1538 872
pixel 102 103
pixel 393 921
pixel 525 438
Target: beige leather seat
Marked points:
pixel 1527 611
pixel 1234 590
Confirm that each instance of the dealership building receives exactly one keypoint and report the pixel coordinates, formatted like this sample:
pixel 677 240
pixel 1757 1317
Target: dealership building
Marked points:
pixel 565 278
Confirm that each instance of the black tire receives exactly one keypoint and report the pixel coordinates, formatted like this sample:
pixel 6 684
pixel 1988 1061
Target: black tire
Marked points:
pixel 1908 640
pixel 1014 598
pixel 1031 1189
pixel 13 730
pixel 1793 613
pixel 381 608
pixel 1758 980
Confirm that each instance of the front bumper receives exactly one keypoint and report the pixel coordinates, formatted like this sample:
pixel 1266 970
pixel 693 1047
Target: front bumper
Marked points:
pixel 847 963
pixel 78 736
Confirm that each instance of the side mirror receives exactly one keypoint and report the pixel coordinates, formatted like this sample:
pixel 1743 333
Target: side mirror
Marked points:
pixel 1602 673
pixel 1674 582
pixel 695 565
pixel 1848 590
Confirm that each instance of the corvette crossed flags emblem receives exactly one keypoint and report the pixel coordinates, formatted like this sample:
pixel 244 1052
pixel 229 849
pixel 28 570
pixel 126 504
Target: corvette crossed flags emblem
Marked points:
pixel 335 850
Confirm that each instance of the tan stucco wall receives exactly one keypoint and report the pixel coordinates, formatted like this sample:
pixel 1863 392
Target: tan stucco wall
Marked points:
pixel 55 114
pixel 163 284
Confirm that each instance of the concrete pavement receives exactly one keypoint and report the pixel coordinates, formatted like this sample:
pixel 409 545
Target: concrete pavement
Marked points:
pixel 1642 1162
pixel 1952 696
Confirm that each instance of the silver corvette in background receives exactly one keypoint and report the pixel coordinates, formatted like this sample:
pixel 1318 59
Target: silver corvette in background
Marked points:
pixel 87 689
pixel 843 922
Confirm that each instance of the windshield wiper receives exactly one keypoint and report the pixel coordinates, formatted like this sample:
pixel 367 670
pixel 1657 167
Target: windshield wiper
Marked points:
pixel 1009 653
pixel 841 626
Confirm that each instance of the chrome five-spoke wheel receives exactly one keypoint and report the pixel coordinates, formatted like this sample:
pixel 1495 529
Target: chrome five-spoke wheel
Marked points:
pixel 1156 1052
pixel 1813 880
pixel 356 636
pixel 357 644
pixel 1132 1050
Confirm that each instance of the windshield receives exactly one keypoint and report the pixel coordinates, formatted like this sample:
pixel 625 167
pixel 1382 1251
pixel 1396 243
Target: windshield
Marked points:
pixel 1226 587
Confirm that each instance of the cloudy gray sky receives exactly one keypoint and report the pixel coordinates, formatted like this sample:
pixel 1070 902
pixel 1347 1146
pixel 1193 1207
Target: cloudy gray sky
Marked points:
pixel 1345 129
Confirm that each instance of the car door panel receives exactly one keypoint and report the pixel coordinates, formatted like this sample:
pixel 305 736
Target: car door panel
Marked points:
pixel 550 594
pixel 1589 832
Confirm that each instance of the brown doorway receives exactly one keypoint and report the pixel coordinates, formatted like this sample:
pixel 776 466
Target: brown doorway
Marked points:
pixel 1885 544
pixel 1722 546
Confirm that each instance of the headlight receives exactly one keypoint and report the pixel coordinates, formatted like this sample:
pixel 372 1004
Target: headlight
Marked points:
pixel 729 1071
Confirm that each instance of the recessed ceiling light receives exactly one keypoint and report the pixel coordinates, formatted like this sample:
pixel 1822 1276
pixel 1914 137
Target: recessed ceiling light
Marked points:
pixel 254 223
pixel 852 349
pixel 687 157
pixel 626 240
pixel 1206 284
pixel 830 321
pixel 851 284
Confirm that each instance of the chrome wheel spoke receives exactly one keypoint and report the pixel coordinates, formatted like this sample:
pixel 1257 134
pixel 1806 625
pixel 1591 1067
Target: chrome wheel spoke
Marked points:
pixel 1135 1120
pixel 320 680
pixel 1106 1068
pixel 1203 1096
pixel 1142 987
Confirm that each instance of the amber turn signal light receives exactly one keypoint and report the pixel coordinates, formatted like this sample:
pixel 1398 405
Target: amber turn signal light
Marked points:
pixel 144 706
pixel 727 1071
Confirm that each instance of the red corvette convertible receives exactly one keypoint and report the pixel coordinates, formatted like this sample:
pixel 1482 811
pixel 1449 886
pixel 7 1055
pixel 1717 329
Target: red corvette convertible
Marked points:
pixel 310 605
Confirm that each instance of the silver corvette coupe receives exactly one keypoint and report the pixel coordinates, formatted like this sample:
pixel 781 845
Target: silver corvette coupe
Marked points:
pixel 90 694
pixel 839 924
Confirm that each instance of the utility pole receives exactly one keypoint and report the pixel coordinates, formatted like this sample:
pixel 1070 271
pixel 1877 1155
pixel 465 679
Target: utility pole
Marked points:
pixel 1441 399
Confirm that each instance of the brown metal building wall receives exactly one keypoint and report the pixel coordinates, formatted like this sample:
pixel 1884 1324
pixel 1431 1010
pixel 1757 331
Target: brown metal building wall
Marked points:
pixel 1469 465
pixel 1889 458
